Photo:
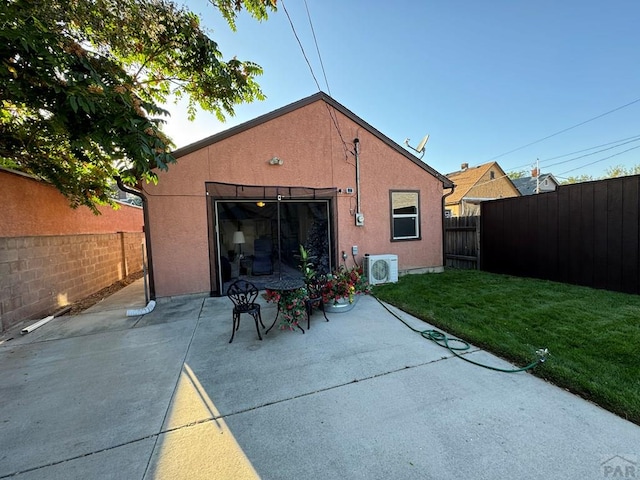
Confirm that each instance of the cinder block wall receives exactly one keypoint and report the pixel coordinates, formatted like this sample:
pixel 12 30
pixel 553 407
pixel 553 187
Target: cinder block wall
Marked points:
pixel 52 255
pixel 40 275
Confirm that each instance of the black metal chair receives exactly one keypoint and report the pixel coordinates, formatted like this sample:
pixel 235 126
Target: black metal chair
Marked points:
pixel 243 294
pixel 314 298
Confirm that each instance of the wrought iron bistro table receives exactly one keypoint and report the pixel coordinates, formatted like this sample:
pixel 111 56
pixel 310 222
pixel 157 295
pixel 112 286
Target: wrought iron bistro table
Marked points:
pixel 280 286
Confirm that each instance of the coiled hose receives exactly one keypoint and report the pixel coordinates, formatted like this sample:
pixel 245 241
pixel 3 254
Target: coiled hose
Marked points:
pixel 444 341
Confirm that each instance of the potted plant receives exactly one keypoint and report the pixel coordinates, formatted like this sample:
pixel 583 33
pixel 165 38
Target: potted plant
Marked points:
pixel 342 288
pixel 291 306
pixel 306 264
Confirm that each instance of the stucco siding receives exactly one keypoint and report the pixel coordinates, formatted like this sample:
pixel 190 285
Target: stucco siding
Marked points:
pixel 31 207
pixel 52 255
pixel 382 170
pixel 178 226
pixel 313 155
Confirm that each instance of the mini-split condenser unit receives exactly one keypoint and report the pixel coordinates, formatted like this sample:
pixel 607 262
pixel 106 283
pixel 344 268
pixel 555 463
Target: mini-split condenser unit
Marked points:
pixel 381 269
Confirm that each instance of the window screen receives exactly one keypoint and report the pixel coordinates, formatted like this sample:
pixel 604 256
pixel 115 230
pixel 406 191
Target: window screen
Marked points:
pixel 405 215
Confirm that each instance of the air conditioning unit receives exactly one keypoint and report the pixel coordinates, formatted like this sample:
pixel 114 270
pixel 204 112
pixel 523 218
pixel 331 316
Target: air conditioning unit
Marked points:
pixel 381 269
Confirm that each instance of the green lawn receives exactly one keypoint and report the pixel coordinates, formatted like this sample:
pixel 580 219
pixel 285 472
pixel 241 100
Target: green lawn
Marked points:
pixel 593 336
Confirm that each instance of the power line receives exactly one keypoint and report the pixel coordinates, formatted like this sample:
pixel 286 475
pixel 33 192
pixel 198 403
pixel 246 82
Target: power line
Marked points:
pixel 315 40
pixel 592 153
pixel 565 130
pixel 304 54
pixel 591 148
pixel 600 160
pixel 573 169
pixel 332 114
pixel 617 142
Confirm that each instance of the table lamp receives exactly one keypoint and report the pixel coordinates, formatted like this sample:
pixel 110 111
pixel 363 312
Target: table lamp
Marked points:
pixel 238 239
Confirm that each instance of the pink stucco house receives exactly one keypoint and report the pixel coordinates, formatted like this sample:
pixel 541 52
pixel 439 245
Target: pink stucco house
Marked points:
pixel 313 173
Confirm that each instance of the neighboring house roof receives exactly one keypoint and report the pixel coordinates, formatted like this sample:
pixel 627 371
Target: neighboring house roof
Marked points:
pixel 528 185
pixel 470 177
pixel 320 96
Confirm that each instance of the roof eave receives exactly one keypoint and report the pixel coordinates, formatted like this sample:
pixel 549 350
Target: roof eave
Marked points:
pixel 205 142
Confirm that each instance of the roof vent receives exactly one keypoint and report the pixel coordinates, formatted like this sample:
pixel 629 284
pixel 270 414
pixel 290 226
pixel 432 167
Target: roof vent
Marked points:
pixel 464 166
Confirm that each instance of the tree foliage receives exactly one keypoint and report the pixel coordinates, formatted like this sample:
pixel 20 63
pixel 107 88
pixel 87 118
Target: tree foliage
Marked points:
pixel 82 81
pixel 610 172
pixel 577 179
pixel 516 174
pixel 621 171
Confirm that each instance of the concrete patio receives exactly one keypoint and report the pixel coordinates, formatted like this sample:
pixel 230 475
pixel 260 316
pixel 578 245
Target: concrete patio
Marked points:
pixel 165 396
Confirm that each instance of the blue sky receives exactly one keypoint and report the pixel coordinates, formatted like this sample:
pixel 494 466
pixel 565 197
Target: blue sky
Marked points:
pixel 481 78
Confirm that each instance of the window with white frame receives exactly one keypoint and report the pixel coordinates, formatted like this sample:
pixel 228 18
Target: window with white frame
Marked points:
pixel 405 215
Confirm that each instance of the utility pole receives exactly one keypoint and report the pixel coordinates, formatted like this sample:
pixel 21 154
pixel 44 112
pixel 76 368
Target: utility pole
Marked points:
pixel 536 173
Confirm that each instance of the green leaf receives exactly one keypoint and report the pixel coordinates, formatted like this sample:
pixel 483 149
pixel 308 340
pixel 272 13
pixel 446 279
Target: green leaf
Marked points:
pixel 74 104
pixel 66 130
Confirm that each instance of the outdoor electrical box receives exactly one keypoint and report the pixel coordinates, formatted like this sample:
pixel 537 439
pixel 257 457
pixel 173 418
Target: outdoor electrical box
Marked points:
pixel 360 219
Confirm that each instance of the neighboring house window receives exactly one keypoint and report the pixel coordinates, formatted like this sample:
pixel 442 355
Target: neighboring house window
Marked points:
pixel 492 175
pixel 405 215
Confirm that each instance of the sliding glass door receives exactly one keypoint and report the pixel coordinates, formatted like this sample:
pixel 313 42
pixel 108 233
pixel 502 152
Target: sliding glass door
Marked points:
pixel 260 239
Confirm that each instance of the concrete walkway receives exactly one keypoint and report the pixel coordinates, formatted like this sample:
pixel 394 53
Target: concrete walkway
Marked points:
pixel 165 396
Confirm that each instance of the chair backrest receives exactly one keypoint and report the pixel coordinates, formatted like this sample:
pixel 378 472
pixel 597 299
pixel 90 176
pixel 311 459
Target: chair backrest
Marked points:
pixel 262 247
pixel 315 285
pixel 242 292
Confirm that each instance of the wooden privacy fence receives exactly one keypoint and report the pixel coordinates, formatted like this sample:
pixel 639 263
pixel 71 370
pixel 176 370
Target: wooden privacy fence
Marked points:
pixel 462 242
pixel 585 234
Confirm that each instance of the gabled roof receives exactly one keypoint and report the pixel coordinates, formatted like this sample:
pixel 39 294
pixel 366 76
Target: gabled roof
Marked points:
pixel 468 178
pixel 320 96
pixel 527 185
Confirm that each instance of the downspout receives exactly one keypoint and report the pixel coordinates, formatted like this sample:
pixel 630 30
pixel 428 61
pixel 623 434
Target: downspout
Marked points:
pixel 147 237
pixel 359 217
pixel 444 253
pixel 356 150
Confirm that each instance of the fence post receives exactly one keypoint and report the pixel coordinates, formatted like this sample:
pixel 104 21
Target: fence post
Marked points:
pixel 478 243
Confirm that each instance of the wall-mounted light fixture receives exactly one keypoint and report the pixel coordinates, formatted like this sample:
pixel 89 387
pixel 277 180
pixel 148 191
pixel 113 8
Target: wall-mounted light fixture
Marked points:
pixel 276 161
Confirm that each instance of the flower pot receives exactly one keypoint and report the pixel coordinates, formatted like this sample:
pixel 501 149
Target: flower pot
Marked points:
pixel 342 305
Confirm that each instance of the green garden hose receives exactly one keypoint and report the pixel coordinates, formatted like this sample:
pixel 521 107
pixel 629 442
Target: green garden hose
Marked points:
pixel 444 341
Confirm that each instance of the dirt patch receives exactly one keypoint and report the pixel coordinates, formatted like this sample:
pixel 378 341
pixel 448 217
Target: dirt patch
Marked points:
pixel 91 300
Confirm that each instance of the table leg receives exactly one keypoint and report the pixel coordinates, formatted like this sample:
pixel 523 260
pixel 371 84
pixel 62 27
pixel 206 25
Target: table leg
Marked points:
pixel 274 320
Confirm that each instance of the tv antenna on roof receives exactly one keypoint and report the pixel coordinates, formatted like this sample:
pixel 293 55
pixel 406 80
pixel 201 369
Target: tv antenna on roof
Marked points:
pixel 421 145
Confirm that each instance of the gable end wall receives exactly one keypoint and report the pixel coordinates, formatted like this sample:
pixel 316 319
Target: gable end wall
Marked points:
pixel 313 155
